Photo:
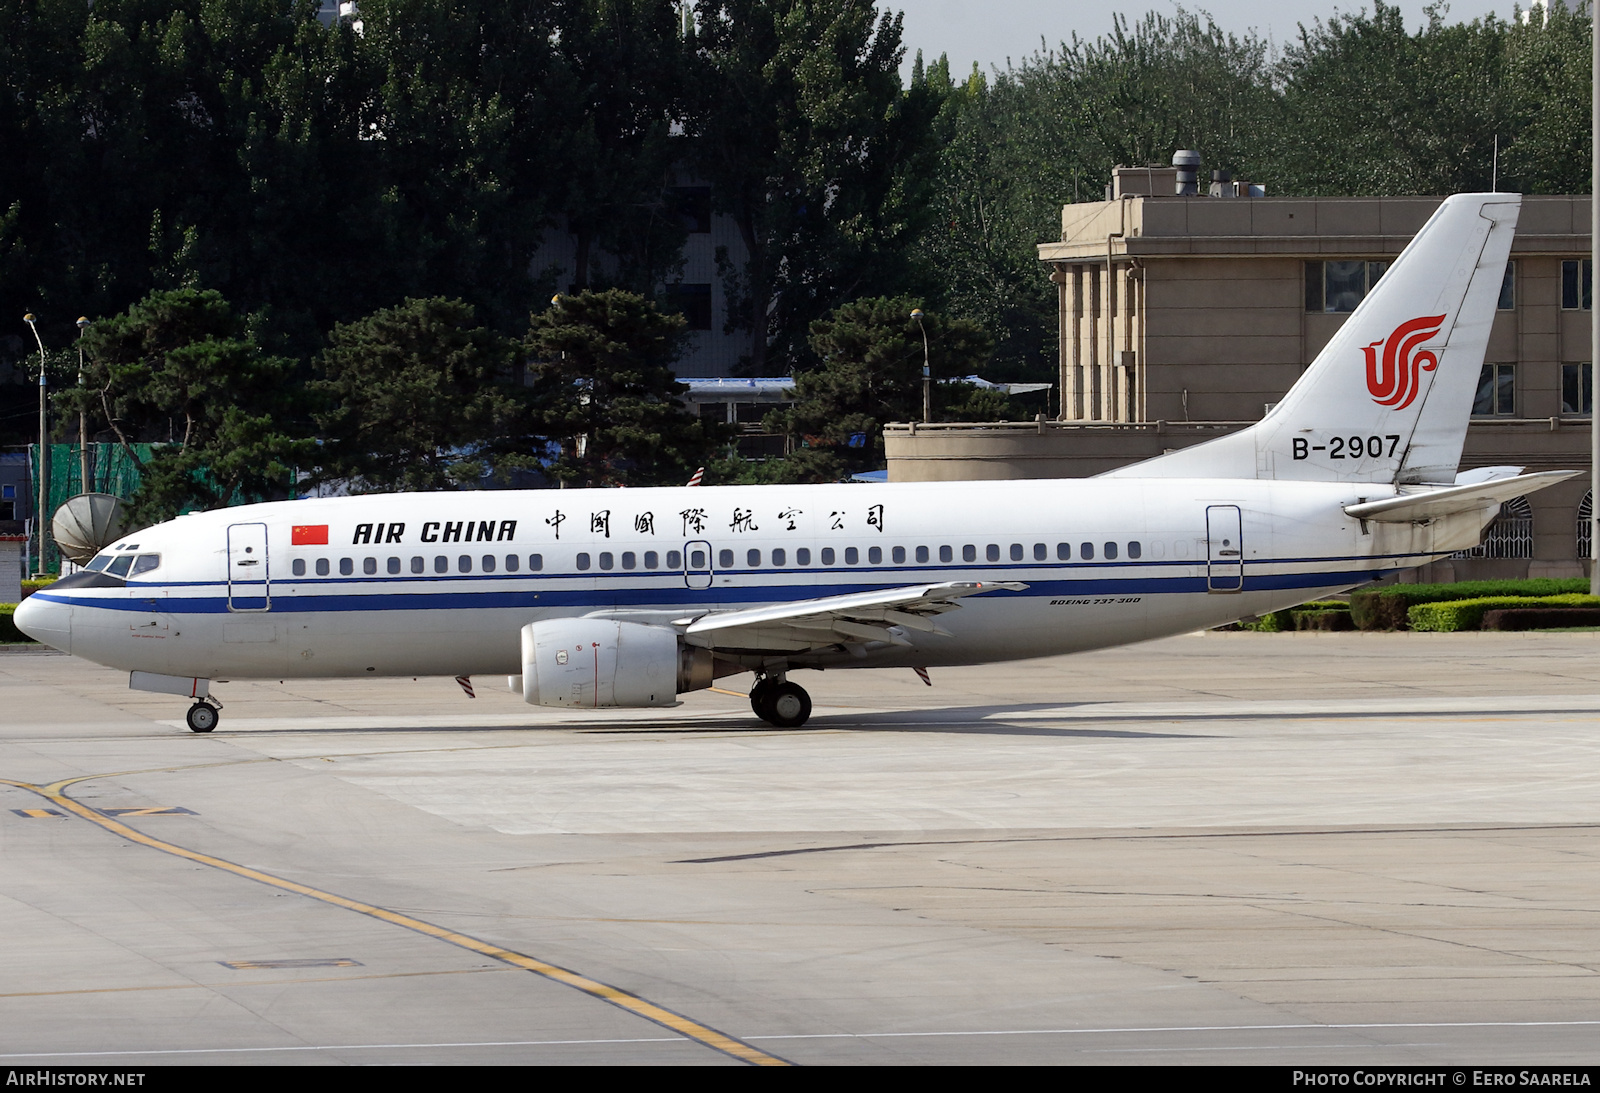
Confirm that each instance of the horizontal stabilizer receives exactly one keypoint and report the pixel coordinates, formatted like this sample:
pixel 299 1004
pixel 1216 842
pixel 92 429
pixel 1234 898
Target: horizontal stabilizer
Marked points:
pixel 1409 507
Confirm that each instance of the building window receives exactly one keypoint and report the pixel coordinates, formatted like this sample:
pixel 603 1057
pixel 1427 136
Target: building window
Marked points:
pixel 1337 287
pixel 1508 288
pixel 1577 389
pixel 1575 293
pixel 693 302
pixel 1510 536
pixel 1496 388
pixel 1586 526
pixel 693 206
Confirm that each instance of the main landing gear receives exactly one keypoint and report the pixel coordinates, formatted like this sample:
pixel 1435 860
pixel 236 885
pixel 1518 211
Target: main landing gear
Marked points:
pixel 203 716
pixel 779 702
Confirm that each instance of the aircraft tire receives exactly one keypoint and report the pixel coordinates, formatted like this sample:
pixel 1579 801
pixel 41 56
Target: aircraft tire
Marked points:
pixel 202 717
pixel 788 706
pixel 761 698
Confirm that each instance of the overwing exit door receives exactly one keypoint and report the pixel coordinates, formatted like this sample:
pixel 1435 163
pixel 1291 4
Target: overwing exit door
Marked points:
pixel 1224 549
pixel 697 564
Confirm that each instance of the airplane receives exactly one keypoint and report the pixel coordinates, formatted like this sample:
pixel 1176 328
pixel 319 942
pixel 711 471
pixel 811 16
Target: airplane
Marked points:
pixel 602 598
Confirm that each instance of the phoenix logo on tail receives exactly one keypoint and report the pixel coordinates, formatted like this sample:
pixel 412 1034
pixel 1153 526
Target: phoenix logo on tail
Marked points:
pixel 1395 381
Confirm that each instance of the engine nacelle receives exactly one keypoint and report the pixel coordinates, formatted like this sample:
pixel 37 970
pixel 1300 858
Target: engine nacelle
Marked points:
pixel 593 663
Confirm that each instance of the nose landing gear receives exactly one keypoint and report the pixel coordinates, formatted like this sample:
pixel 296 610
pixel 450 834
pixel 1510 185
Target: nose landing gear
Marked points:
pixel 779 702
pixel 203 716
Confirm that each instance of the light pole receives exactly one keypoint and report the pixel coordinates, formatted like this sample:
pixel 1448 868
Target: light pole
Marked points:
pixel 927 374
pixel 83 414
pixel 44 443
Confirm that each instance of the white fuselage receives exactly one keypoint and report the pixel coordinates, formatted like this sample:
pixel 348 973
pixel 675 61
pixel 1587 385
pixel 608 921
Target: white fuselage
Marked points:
pixel 442 583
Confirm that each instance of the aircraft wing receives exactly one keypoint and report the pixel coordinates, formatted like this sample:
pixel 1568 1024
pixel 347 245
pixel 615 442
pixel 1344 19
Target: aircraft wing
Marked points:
pixel 1452 499
pixel 852 619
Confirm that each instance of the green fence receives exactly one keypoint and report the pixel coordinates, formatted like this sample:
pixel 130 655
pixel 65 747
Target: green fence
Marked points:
pixel 111 470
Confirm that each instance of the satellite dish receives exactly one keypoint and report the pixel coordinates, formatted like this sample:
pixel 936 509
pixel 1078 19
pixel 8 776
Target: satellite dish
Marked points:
pixel 87 523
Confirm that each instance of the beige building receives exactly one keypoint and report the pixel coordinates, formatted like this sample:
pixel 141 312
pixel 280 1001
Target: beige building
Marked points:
pixel 1183 317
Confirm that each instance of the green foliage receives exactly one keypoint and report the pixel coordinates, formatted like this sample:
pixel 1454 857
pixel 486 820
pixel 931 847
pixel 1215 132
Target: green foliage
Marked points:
pixel 871 354
pixel 179 366
pixel 415 397
pixel 8 625
pixel 1467 614
pixel 1387 608
pixel 801 128
pixel 608 400
pixel 30 585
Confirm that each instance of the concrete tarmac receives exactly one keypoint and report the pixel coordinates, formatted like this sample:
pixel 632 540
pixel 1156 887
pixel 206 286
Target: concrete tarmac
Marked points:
pixel 1297 849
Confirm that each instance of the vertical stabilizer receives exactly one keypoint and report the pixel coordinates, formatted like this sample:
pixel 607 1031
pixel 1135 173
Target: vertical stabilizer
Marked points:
pixel 1389 398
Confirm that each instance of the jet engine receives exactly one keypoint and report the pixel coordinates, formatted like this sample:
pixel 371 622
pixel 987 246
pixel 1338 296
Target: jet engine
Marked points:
pixel 590 663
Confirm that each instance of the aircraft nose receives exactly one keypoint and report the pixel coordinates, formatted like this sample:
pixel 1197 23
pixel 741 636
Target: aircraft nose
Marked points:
pixel 45 620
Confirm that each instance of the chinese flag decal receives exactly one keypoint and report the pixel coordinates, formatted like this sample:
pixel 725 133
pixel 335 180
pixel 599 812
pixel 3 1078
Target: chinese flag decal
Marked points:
pixel 309 535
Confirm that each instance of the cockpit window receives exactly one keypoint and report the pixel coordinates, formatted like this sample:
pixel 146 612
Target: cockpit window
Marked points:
pixel 119 566
pixel 144 563
pixel 100 561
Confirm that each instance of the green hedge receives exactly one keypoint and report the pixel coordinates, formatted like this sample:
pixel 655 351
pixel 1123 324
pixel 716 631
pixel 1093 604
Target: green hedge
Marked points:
pixel 1274 622
pixel 1389 608
pixel 8 625
pixel 1467 614
pixel 33 584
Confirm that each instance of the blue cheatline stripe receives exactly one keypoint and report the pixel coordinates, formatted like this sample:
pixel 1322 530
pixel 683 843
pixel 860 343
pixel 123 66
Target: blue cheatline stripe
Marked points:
pixel 592 599
pixel 914 573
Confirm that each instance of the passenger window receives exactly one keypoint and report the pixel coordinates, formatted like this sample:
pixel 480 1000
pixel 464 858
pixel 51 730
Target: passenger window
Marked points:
pixel 1111 551
pixel 697 559
pixel 322 567
pixel 1086 551
pixel 725 559
pixel 607 560
pixel 394 566
pixel 851 556
pixel 875 555
pixel 780 557
pixel 969 553
pixel 922 554
pixel 513 563
pixel 583 561
pixel 1040 552
pixel 488 563
pixel 441 564
pixel 1135 550
pixel 674 560
pixel 1158 549
pixel 899 555
pixel 144 563
pixel 752 558
pixel 1064 551
pixel 347 567
pixel 1016 552
pixel 652 560
pixel 1180 549
pixel 630 560
pixel 299 567
pixel 417 565
pixel 827 555
pixel 802 556
pixel 464 564
pixel 946 554
pixel 535 562
pixel 369 566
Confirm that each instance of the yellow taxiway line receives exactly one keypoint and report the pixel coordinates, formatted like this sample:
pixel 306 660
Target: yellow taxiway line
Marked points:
pixel 633 1003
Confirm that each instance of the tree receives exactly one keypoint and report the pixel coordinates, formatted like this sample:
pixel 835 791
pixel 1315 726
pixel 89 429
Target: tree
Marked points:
pixel 608 399
pixel 800 127
pixel 180 367
pixel 416 397
pixel 871 354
